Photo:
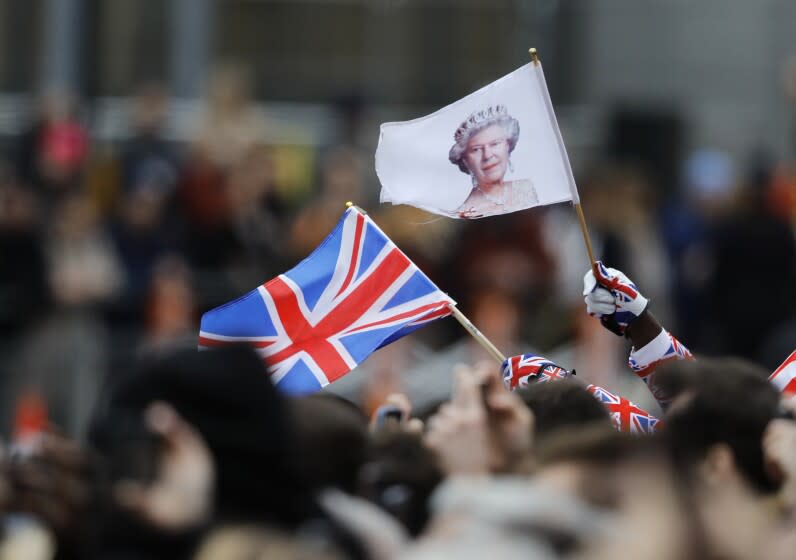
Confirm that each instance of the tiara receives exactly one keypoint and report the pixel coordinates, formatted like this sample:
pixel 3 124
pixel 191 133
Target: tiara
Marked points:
pixel 477 118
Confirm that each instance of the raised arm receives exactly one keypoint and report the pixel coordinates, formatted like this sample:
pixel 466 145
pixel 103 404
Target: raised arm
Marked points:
pixel 615 300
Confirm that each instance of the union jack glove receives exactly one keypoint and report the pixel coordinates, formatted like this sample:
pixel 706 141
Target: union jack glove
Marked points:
pixel 520 371
pixel 612 298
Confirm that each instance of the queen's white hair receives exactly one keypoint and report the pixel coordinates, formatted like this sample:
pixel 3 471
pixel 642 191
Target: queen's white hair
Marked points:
pixel 478 121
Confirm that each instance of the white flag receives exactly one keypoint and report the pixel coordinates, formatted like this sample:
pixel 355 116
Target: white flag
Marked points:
pixel 498 150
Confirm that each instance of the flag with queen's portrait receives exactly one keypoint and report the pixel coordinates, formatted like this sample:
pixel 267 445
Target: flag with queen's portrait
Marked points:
pixel 313 324
pixel 495 151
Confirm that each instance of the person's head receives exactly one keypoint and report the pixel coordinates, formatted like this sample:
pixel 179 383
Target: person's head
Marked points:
pixel 496 312
pixel 484 142
pixel 400 475
pixel 332 435
pixel 229 88
pixel 19 208
pixel 589 462
pixel 709 180
pixel 560 405
pixel 76 218
pixel 632 477
pixel 171 300
pixel 341 174
pixel 227 397
pixel 715 424
pixel 149 107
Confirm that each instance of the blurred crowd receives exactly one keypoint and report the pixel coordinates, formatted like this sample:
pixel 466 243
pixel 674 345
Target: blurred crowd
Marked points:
pixel 197 455
pixel 123 444
pixel 114 249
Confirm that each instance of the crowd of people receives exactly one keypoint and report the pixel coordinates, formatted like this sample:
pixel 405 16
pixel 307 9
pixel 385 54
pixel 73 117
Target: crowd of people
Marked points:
pixel 124 442
pixel 198 455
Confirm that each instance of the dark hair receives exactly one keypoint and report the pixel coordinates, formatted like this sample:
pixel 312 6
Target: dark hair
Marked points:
pixel 597 445
pixel 227 396
pixel 562 404
pixel 599 452
pixel 400 474
pixel 727 401
pixel 331 435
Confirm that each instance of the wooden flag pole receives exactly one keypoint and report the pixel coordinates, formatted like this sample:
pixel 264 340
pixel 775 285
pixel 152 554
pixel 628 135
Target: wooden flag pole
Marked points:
pixel 585 231
pixel 459 316
pixel 476 334
pixel 578 208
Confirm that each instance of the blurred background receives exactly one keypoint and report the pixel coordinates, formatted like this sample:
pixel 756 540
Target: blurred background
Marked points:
pixel 160 157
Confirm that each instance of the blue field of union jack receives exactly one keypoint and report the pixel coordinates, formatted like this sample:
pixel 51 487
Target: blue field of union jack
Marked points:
pixel 313 324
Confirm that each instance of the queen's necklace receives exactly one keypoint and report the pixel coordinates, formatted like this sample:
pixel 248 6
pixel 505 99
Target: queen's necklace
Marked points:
pixel 498 201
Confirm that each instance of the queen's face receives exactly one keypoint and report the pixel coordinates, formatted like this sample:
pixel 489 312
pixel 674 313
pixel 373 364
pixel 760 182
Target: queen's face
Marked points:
pixel 487 155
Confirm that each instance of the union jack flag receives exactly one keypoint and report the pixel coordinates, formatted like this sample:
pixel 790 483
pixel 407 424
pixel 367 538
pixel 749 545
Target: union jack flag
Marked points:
pixel 625 415
pixel 313 324
pixel 784 377
pixel 520 370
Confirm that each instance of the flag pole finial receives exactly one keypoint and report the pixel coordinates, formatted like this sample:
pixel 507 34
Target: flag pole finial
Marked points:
pixel 350 204
pixel 534 56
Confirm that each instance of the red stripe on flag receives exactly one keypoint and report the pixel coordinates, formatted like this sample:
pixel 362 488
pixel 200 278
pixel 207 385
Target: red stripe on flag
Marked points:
pixel 400 316
pixel 302 335
pixel 314 339
pixel 442 312
pixel 355 253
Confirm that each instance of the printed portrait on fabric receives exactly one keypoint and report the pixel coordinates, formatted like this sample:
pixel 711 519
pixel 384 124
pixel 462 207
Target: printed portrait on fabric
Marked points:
pixel 495 151
pixel 483 146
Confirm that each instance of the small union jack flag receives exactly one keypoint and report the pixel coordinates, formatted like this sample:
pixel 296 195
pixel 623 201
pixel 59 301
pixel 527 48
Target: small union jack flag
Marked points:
pixel 784 377
pixel 313 324
pixel 646 360
pixel 625 415
pixel 519 371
